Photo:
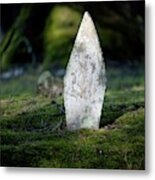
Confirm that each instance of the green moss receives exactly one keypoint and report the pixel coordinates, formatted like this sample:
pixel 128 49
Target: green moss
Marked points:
pixel 19 87
pixel 117 103
pixel 32 133
pixel 118 148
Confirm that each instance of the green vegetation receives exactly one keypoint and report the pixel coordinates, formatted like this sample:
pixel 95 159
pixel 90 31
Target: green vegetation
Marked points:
pixel 20 86
pixel 38 37
pixel 12 44
pixel 44 33
pixel 59 33
pixel 33 127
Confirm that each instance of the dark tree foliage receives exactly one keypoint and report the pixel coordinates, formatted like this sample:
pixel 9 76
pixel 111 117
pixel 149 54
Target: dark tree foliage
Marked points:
pixel 120 26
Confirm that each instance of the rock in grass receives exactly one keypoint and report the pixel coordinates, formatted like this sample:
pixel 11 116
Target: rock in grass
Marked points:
pixel 49 85
pixel 84 82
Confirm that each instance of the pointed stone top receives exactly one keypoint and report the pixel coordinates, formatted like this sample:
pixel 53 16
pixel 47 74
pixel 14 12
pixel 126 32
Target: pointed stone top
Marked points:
pixel 86 17
pixel 87 34
pixel 86 14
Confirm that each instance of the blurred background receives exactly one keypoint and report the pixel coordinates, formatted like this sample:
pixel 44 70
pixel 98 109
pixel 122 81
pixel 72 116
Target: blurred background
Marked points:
pixel 39 36
pixel 35 45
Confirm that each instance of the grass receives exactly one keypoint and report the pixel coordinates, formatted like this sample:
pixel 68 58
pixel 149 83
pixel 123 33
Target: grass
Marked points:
pixel 19 86
pixel 30 136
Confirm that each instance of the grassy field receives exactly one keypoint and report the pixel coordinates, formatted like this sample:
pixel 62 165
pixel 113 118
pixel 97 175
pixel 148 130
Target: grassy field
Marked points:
pixel 33 130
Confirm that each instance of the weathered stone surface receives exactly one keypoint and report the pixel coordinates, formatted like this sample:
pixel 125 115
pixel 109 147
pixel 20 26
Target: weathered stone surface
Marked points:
pixel 84 82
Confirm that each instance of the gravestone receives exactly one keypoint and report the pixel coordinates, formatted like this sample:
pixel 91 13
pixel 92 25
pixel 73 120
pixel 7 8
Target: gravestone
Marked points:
pixel 84 81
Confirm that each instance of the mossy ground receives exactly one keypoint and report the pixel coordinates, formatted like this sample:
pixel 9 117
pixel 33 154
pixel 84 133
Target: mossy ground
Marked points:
pixel 29 137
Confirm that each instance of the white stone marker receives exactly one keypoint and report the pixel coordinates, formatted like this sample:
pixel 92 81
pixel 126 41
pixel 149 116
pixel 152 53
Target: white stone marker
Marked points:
pixel 84 82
